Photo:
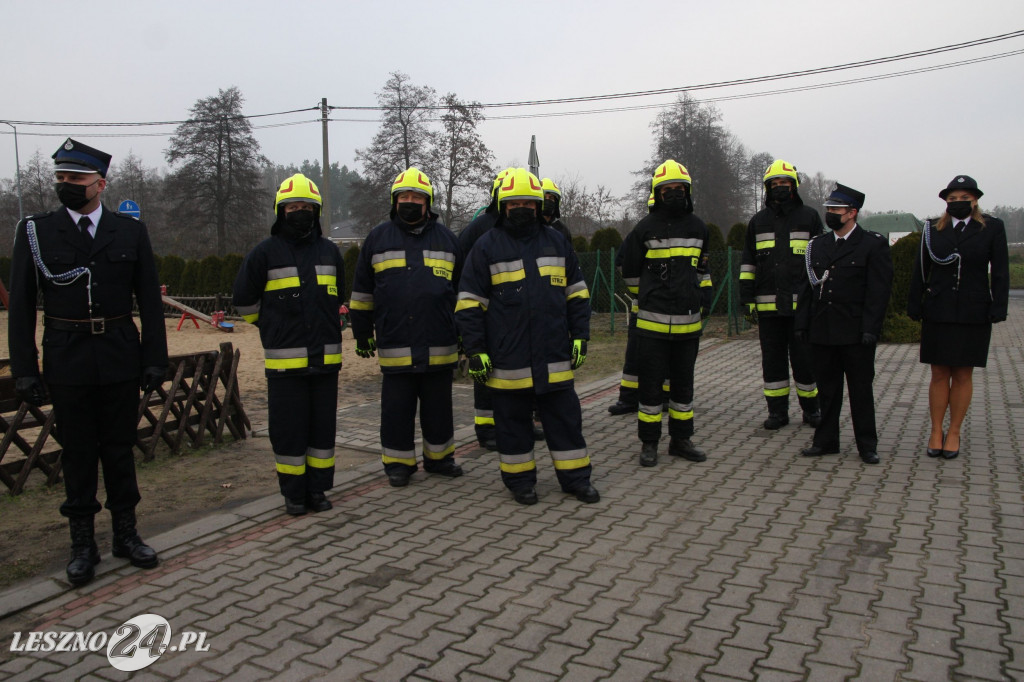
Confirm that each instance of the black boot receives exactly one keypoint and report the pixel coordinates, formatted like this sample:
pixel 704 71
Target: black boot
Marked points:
pixel 813 419
pixel 128 544
pixel 776 420
pixel 684 447
pixel 318 502
pixel 84 553
pixel 649 454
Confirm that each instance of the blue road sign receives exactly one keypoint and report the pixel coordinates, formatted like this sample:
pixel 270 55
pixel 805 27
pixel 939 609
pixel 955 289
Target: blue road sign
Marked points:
pixel 129 207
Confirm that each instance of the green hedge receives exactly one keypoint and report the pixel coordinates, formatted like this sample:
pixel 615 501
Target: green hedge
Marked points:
pixel 897 327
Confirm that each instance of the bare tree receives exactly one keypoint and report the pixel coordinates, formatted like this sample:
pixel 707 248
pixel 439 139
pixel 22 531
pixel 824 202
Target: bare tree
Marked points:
pixel 37 184
pixel 458 161
pixel 604 205
pixel 814 190
pixel 576 206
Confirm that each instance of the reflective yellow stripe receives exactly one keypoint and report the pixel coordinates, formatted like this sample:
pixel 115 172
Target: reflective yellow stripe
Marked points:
pixel 767 244
pixel 746 275
pixel 332 359
pixel 674 252
pixel 394 362
pixel 552 270
pixel 509 384
pixel 555 377
pixel 650 418
pixel 438 263
pixel 518 468
pixel 360 305
pixel 582 293
pixel 391 263
pixel 799 246
pixel 327 280
pixel 705 282
pixel 677 414
pixel 291 469
pixel 572 463
pixel 443 359
pixel 465 303
pixel 503 277
pixel 807 394
pixel 283 283
pixel 629 384
pixel 667 328
pixel 286 363
pixel 386 459
pixel 484 421
pixel 633 290
pixel 439 455
pixel 776 392
pixel 320 462
pixel 251 318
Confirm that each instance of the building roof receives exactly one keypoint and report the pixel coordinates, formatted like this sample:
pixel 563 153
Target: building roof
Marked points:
pixel 884 223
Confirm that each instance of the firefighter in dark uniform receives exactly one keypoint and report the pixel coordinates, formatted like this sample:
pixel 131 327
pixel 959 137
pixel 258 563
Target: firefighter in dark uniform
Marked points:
pixel 483 417
pixel 771 277
pixel 552 203
pixel 665 264
pixel 849 278
pixel 88 262
pixel 290 286
pixel 524 315
pixel 629 381
pixel 404 291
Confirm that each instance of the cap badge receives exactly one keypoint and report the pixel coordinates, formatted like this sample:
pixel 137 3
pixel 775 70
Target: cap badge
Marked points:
pixel 68 145
pixel 960 179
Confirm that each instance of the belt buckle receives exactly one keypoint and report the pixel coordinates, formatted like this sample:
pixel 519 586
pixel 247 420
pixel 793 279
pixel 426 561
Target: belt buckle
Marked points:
pixel 97 325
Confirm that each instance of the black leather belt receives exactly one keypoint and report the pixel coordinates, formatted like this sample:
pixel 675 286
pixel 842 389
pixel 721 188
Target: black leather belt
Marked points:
pixel 95 325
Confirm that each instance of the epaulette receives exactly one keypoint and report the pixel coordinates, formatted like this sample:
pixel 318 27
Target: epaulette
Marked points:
pixel 126 215
pixel 877 234
pixel 37 216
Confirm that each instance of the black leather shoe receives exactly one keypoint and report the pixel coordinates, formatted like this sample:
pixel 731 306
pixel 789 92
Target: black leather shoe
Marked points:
pixel 491 444
pixel 318 502
pixel 451 471
pixel 84 553
pixel 622 408
pixel 399 480
pixel 587 494
pixel 869 457
pixel 128 544
pixel 683 447
pixel 776 420
pixel 812 419
pixel 295 507
pixel 649 454
pixel 816 451
pixel 525 496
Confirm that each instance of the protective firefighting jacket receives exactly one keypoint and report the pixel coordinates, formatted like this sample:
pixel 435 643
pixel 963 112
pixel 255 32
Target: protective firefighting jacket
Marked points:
pixel 291 289
pixel 773 269
pixel 523 301
pixel 404 291
pixel 665 265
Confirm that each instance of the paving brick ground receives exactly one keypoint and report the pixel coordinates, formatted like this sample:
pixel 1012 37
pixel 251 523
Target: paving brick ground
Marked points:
pixel 757 564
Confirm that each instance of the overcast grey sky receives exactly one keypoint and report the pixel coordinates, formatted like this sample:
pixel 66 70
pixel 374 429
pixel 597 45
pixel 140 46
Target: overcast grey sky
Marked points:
pixel 898 140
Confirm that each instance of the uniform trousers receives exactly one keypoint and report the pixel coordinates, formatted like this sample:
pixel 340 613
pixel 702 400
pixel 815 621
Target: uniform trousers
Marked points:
pixel 630 368
pixel 779 350
pixel 483 413
pixel 96 425
pixel 399 395
pixel 562 419
pixel 303 419
pixel 857 363
pixel 661 358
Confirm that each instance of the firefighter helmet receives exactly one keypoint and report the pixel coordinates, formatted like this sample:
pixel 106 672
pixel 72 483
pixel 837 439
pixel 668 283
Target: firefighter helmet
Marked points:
pixel 781 169
pixel 650 201
pixel 549 186
pixel 297 188
pixel 413 180
pixel 520 183
pixel 498 178
pixel 670 171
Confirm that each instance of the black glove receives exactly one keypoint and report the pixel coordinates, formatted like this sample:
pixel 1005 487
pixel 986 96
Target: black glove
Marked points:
pixel 868 339
pixel 31 390
pixel 152 378
pixel 800 335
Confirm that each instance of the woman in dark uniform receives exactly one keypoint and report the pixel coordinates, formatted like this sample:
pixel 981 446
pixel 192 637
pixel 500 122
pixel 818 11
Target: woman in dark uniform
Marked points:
pixel 957 301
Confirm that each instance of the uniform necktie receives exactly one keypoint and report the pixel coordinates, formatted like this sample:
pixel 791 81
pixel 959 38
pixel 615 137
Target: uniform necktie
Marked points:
pixel 961 225
pixel 83 225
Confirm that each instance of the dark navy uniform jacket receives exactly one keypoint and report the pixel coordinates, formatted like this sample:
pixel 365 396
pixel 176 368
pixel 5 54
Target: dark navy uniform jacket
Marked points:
pixel 122 266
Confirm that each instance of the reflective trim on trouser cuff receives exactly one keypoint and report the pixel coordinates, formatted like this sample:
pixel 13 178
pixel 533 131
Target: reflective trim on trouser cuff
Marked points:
pixel 630 381
pixel 516 464
pixel 679 410
pixel 807 390
pixel 649 413
pixel 391 456
pixel 320 458
pixel 570 459
pixel 432 451
pixel 296 466
pixel 484 418
pixel 776 389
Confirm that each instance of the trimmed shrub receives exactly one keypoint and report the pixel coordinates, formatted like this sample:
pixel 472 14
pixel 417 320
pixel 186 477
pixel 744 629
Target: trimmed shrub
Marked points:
pixel 229 267
pixel 899 328
pixel 719 267
pixel 209 276
pixel 737 237
pixel 579 244
pixel 171 269
pixel 606 239
pixel 190 279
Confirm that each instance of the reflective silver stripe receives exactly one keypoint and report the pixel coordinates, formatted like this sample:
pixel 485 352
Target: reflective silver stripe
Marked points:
pixel 387 255
pixel 795 297
pixel 290 461
pixel 284 353
pixel 630 377
pixel 576 288
pixel 512 374
pixel 568 454
pixel 669 319
pixel 559 367
pixel 332 348
pixel 769 298
pixel 327 270
pixel 673 242
pixel 320 453
pixel 362 296
pixel 516 459
pixel 437 449
pixel 485 414
pixel 764 237
pixel 748 268
pixel 680 407
pixel 550 260
pixel 802 236
pixel 485 302
pixel 281 273
pixel 506 266
pixel 773 385
pixel 395 352
pixel 399 454
pixel 440 255
pixel 248 309
pixel 650 409
pixel 442 350
pixel 806 387
pixel 631 281
pixel 706 277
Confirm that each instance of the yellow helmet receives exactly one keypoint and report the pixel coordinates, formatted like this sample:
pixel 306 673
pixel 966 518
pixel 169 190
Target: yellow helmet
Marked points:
pixel 413 180
pixel 297 188
pixel 781 169
pixel 549 186
pixel 670 171
pixel 520 183
pixel 498 178
pixel 650 201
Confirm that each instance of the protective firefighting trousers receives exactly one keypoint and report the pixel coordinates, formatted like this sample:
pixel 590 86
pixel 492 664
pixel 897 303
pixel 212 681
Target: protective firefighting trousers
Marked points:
pixel 303 420
pixel 661 358
pixel 780 349
pixel 399 395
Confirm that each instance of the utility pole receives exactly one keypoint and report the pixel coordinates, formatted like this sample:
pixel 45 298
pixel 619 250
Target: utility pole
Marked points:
pixel 325 181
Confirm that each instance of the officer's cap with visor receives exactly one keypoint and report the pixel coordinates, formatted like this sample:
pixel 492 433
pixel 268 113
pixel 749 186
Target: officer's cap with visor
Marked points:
pixel 75 157
pixel 846 197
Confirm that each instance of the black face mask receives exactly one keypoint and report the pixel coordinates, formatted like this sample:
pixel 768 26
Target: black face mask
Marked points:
pixel 298 224
pixel 521 221
pixel 834 221
pixel 410 212
pixel 781 194
pixel 674 201
pixel 959 209
pixel 71 195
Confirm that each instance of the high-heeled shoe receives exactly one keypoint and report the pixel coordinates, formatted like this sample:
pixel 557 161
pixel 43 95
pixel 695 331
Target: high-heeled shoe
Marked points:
pixel 948 454
pixel 935 452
